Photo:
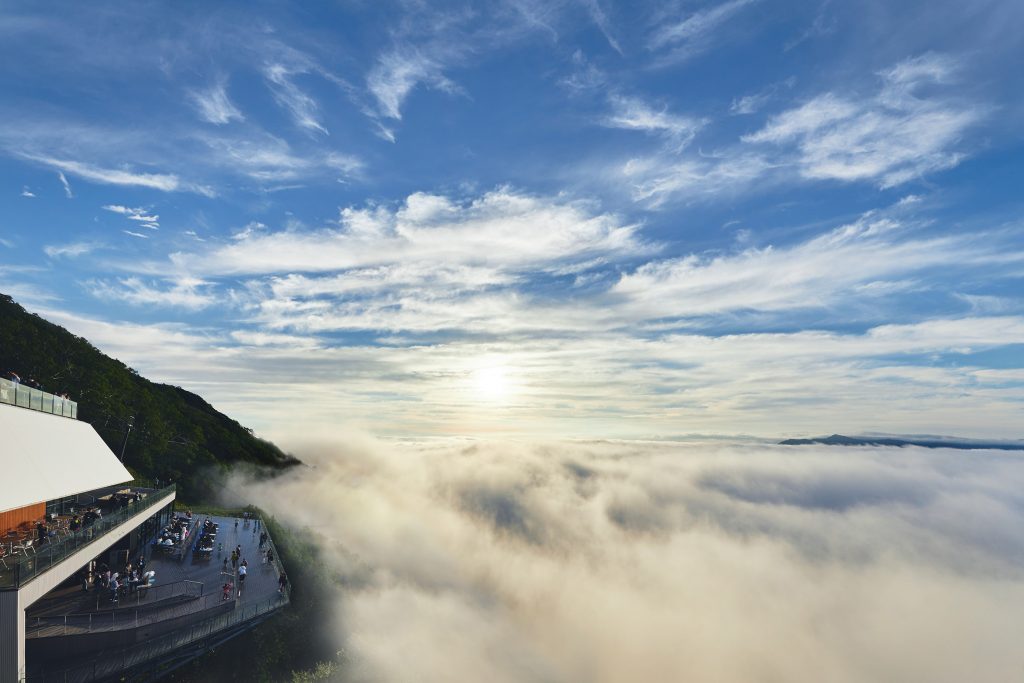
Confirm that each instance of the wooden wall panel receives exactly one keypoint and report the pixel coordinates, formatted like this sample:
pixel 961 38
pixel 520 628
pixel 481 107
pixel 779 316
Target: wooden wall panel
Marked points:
pixel 13 519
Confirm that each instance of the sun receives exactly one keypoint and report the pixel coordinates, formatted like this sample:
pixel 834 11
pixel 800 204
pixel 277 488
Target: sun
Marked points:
pixel 492 382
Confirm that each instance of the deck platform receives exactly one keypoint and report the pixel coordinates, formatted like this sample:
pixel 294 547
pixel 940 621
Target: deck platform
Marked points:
pixel 72 625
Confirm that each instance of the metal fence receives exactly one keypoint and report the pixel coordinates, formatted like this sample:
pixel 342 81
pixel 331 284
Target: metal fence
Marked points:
pixel 110 664
pixel 131 611
pixel 16 570
pixel 15 394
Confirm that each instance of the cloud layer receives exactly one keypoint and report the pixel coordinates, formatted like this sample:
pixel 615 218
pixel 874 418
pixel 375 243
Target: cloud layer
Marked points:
pixel 713 561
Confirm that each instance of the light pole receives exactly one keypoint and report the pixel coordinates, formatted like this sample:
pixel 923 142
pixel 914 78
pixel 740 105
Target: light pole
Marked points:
pixel 131 423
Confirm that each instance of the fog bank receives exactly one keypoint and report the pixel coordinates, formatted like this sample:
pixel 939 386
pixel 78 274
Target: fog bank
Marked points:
pixel 627 561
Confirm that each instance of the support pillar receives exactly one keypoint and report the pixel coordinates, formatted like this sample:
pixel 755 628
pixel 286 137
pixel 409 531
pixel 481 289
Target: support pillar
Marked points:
pixel 12 637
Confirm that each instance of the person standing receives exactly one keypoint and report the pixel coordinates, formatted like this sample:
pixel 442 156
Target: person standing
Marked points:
pixel 282 581
pixel 234 559
pixel 241 578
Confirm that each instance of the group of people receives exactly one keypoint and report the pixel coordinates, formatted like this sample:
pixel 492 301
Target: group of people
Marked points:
pixel 16 378
pixel 91 515
pixel 30 382
pixel 174 533
pixel 240 566
pixel 123 500
pixel 207 537
pixel 118 583
pixel 44 533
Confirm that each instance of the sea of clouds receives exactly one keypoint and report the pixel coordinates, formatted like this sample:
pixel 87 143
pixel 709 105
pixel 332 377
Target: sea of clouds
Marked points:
pixel 651 561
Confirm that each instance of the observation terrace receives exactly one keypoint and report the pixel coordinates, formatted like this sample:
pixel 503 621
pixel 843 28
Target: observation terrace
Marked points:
pixel 15 394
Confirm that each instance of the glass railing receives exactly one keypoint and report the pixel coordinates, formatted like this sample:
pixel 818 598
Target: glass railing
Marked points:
pixel 17 569
pixel 15 394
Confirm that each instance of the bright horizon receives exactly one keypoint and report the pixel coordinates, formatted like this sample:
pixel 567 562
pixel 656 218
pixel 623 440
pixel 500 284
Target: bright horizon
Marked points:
pixel 578 219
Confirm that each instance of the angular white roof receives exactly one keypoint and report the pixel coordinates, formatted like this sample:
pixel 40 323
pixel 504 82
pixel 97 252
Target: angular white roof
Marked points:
pixel 44 456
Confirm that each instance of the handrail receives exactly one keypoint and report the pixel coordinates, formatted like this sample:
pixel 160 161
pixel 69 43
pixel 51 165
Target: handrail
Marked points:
pixel 16 394
pixel 112 617
pixel 19 571
pixel 112 663
pixel 225 617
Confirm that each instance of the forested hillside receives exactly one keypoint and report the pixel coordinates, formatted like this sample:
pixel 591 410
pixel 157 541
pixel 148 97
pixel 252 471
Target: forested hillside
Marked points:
pixel 174 436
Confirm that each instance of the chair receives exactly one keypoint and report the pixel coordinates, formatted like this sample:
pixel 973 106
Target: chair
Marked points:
pixel 25 546
pixel 3 554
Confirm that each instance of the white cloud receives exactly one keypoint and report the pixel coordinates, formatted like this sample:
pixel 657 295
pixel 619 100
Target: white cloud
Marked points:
pixel 501 228
pixel 806 119
pixel 814 273
pixel 705 561
pixel 750 104
pixel 110 176
pixel 632 113
pixel 70 250
pixel 26 192
pixel 398 72
pixel 600 19
pixel 139 215
pixel 893 137
pixel 249 230
pixel 258 338
pixel 431 263
pixel 214 105
pixel 987 304
pixel 687 38
pixel 579 379
pixel 267 158
pixel 655 180
pixel 67 186
pixel 185 292
pixel 136 234
pixel 302 107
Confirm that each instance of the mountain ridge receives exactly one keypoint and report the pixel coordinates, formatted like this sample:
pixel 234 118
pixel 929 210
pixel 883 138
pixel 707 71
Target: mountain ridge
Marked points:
pixel 901 442
pixel 166 432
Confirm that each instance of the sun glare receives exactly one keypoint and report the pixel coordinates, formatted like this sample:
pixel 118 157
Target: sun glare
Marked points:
pixel 492 382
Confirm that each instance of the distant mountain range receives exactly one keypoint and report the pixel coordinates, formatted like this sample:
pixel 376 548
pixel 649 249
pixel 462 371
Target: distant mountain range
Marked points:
pixel 924 442
pixel 166 432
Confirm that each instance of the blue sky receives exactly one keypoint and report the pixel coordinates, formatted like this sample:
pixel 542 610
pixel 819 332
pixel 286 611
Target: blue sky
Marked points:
pixel 575 218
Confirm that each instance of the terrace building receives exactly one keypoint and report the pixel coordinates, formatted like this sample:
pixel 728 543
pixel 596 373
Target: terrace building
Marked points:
pixel 68 513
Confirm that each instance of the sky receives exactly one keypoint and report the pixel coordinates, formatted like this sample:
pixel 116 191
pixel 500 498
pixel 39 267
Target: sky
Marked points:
pixel 562 218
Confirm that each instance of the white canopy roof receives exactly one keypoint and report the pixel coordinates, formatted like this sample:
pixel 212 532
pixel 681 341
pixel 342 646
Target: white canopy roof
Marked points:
pixel 43 457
